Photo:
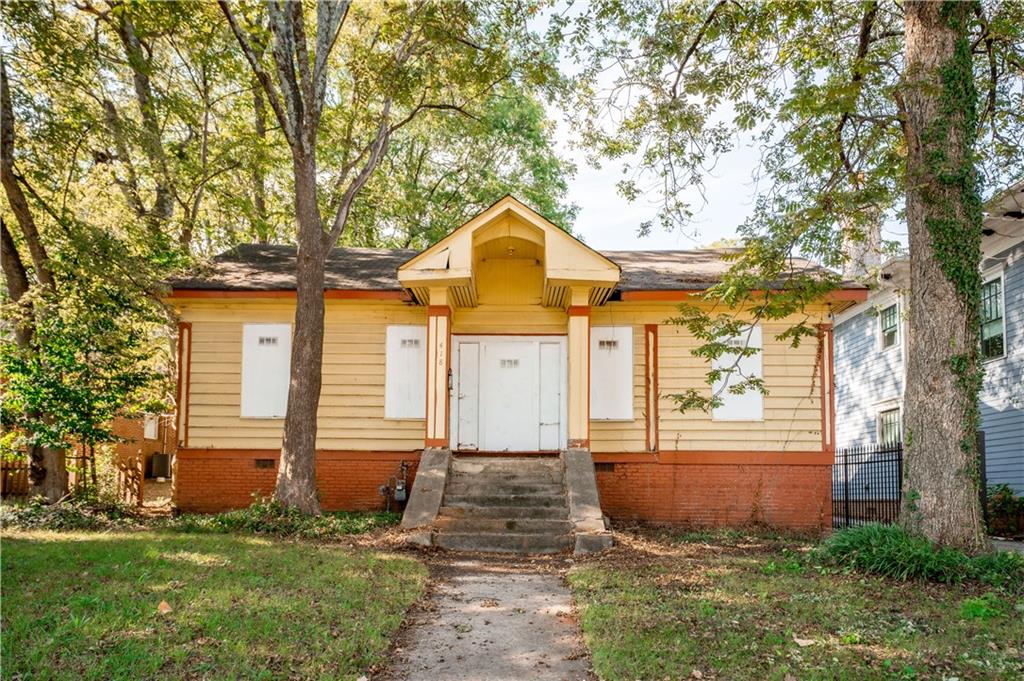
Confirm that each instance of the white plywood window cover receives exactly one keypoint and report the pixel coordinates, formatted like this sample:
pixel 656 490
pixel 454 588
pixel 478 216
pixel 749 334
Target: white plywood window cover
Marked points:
pixel 405 385
pixel 750 405
pixel 266 359
pixel 611 373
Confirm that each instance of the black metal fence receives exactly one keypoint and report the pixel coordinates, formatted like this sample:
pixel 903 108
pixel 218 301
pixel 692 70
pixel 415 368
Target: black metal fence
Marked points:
pixel 867 484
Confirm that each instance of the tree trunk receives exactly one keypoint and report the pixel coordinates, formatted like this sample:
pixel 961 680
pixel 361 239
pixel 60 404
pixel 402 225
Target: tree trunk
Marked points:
pixel 296 476
pixel 48 472
pixel 941 479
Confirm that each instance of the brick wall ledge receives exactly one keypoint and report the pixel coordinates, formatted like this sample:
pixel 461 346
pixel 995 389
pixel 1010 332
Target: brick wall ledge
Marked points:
pixel 722 457
pixel 321 454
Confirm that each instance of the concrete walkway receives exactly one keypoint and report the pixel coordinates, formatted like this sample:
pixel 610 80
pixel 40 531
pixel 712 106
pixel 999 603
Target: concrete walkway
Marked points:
pixel 493 621
pixel 1008 545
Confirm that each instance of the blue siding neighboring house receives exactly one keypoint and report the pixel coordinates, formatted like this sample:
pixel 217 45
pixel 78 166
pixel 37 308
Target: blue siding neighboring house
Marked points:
pixel 869 351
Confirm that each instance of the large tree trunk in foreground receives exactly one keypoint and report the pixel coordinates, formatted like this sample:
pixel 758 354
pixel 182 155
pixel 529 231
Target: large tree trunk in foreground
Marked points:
pixel 296 476
pixel 941 474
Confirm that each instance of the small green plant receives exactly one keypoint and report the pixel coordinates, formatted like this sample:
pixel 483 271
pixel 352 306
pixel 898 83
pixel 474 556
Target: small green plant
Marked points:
pixel 986 607
pixel 850 638
pixel 789 564
pixel 891 551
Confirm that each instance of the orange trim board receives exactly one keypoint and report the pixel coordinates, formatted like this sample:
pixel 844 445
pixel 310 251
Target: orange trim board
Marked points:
pixel 854 295
pixel 724 457
pixel 329 294
pixel 321 454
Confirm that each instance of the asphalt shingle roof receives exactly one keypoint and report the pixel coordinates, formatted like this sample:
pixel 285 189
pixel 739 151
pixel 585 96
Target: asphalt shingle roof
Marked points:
pixel 260 267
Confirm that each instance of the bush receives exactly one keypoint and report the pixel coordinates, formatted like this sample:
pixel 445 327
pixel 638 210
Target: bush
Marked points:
pixel 891 551
pixel 72 514
pixel 1005 511
pixel 269 517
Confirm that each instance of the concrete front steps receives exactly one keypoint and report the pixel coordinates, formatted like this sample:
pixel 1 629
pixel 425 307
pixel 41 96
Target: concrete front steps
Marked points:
pixel 505 505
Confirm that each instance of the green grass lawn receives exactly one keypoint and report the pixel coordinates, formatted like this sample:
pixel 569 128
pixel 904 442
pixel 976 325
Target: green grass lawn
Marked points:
pixel 733 607
pixel 85 606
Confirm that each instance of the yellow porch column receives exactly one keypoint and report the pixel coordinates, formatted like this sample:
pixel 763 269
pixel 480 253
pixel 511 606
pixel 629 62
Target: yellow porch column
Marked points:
pixel 579 368
pixel 439 317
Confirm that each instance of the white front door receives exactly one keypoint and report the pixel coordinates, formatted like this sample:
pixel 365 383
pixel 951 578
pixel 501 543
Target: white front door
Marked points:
pixel 509 393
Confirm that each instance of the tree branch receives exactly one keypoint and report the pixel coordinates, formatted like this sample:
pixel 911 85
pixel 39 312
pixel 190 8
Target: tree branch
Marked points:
pixel 261 74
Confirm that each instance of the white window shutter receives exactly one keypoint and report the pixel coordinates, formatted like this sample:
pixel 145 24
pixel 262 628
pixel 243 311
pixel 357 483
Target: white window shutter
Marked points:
pixel 750 405
pixel 611 373
pixel 266 368
pixel 405 385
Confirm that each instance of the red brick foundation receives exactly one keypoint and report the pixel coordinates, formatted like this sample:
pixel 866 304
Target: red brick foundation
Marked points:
pixel 210 481
pixel 787 496
pixel 707 489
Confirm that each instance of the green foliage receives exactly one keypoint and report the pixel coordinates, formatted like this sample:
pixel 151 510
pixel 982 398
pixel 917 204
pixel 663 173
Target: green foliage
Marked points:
pixel 91 357
pixel 985 607
pixel 1005 510
pixel 667 90
pixel 443 169
pixel 268 517
pixel 891 551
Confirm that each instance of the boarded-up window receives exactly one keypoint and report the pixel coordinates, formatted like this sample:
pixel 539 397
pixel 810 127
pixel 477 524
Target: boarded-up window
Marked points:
pixel 748 406
pixel 405 387
pixel 611 373
pixel 266 356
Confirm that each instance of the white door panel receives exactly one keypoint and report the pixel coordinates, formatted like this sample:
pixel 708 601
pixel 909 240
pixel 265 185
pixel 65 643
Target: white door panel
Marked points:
pixel 467 396
pixel 509 397
pixel 550 395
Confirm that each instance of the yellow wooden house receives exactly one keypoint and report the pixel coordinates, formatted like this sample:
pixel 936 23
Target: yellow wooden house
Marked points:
pixel 504 345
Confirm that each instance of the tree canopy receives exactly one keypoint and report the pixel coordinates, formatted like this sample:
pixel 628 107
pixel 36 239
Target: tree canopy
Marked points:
pixel 138 140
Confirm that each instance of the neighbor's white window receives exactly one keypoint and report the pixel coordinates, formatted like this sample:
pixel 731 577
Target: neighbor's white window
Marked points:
pixel 405 362
pixel 266 357
pixel 748 406
pixel 889 326
pixel 890 430
pixel 150 426
pixel 993 333
pixel 611 373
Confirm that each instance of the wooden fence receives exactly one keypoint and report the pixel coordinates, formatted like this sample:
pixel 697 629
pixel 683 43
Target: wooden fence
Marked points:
pixel 15 486
pixel 14 479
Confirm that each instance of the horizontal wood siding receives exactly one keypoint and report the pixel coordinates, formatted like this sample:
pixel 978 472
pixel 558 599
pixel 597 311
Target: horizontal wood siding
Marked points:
pixel 792 408
pixel 351 415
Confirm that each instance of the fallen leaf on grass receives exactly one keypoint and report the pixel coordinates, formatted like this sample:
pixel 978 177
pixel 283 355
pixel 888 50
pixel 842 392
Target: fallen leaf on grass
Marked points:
pixel 164 608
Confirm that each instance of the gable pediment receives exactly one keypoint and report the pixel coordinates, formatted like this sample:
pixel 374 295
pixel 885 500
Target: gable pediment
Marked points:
pixel 509 230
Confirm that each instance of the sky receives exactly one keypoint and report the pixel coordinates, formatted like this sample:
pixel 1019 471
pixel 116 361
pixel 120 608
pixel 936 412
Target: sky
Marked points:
pixel 607 221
